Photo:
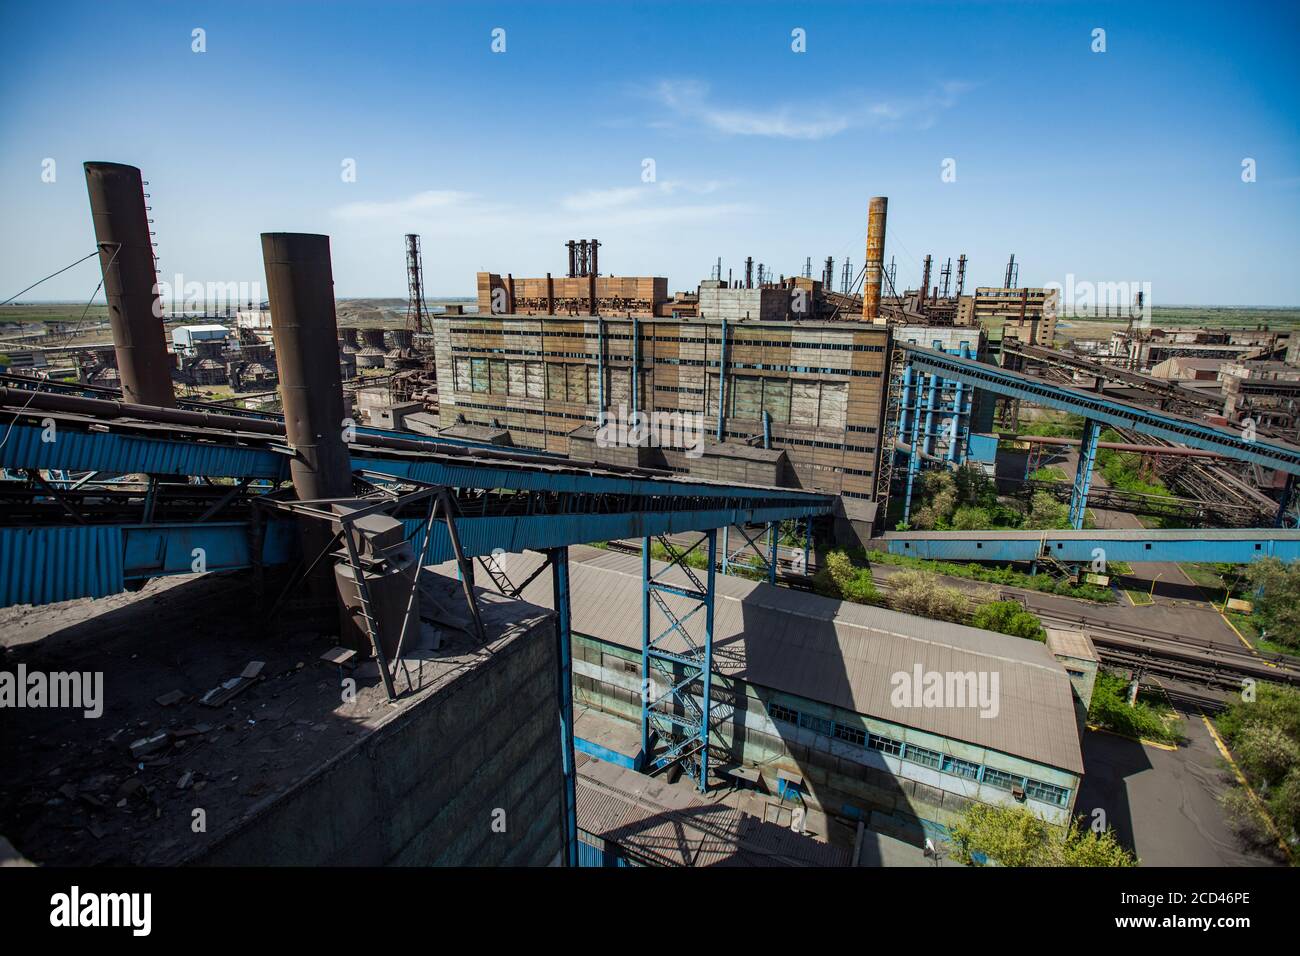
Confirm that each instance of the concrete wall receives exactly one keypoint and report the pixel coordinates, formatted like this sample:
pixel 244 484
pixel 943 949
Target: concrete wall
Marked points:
pixel 421 789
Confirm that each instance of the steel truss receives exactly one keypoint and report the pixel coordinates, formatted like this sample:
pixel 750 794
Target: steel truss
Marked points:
pixel 676 664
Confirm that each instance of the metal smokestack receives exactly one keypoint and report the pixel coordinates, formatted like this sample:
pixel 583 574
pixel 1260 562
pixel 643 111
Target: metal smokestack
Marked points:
pixel 876 213
pixel 925 285
pixel 117 208
pixel 300 287
pixel 961 274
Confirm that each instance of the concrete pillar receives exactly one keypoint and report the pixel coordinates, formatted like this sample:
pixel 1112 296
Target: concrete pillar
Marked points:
pixel 135 312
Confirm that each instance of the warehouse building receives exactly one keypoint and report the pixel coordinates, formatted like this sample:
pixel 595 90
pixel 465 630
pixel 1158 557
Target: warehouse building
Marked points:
pixel 807 695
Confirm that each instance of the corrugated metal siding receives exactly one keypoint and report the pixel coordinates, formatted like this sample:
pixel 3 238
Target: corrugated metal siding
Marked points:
pixel 127 454
pixel 45 565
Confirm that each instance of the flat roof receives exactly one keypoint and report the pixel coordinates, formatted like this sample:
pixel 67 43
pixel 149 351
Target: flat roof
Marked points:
pixel 836 652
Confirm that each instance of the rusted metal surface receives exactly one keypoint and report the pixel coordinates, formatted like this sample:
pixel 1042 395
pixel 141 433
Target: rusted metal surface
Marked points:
pixel 877 211
pixel 300 287
pixel 117 206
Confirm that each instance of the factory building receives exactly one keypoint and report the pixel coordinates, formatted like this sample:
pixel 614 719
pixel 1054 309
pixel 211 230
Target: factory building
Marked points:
pixel 187 338
pixel 1021 313
pixel 810 698
pixel 817 386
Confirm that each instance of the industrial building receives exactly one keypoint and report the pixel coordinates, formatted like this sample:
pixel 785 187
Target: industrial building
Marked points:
pixel 803 693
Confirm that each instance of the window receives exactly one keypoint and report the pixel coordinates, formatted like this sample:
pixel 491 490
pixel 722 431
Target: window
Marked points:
pixel 961 768
pixel 786 714
pixel 876 742
pixel 1002 780
pixel 926 758
pixel 1047 792
pixel 853 735
pixel 817 724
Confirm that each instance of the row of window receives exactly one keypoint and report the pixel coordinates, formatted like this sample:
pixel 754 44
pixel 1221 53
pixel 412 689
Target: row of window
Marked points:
pixel 690 340
pixel 695 363
pixel 1046 792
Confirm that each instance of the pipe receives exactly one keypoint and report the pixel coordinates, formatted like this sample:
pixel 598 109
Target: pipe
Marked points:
pixel 117 207
pixel 300 287
pixel 636 365
pixel 722 384
pixel 877 211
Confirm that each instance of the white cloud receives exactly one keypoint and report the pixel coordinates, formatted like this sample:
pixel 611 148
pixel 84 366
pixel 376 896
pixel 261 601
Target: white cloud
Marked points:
pixel 424 202
pixel 689 100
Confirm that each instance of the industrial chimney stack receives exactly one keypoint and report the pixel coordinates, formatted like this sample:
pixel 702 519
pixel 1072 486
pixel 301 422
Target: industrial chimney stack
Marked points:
pixel 876 213
pixel 121 221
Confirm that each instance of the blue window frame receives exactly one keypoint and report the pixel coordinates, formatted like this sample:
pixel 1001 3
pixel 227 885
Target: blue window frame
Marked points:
pixel 1002 780
pixel 853 735
pixel 961 768
pixel 780 712
pixel 817 724
pixel 884 744
pixel 1047 792
pixel 926 758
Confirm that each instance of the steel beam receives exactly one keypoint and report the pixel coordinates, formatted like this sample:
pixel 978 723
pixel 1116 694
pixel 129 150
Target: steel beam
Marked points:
pixel 1083 473
pixel 559 558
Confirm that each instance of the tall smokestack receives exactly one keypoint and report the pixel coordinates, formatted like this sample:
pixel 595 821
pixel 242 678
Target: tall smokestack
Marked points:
pixel 300 287
pixel 749 272
pixel 117 208
pixel 925 285
pixel 961 274
pixel 876 213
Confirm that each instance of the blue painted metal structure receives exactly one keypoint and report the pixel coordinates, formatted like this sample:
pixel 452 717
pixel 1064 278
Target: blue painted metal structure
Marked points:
pixel 576 510
pixel 672 715
pixel 1268 452
pixel 1234 546
pixel 1083 472
pixel 559 558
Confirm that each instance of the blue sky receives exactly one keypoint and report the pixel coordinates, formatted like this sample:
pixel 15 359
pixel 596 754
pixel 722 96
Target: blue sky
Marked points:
pixel 1115 166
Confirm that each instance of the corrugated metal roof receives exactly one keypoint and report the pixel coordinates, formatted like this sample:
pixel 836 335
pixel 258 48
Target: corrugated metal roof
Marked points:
pixel 836 652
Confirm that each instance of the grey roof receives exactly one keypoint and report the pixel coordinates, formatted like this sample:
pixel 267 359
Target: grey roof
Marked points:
pixel 741 450
pixel 836 652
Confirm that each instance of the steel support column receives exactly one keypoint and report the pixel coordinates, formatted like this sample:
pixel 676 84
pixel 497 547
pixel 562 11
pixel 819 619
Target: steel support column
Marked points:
pixel 1083 474
pixel 913 458
pixel 564 650
pixel 773 536
pixel 676 664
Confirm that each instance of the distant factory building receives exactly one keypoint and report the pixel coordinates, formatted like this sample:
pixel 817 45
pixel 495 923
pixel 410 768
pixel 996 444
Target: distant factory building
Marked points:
pixel 186 338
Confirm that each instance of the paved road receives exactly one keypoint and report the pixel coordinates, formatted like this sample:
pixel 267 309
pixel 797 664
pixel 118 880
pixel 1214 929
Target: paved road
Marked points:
pixel 1164 804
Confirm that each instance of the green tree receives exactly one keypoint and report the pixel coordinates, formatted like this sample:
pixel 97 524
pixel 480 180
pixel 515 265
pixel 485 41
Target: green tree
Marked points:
pixel 1046 513
pixel 1016 836
pixel 1277 598
pixel 1009 617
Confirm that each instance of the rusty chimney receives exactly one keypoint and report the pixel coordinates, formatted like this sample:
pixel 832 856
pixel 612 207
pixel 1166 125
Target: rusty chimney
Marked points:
pixel 876 213
pixel 117 208
pixel 925 285
pixel 961 274
pixel 300 287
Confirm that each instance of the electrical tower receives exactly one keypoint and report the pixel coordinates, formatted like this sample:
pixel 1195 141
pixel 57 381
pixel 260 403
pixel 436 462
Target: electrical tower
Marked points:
pixel 1013 274
pixel 416 313
pixel 946 275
